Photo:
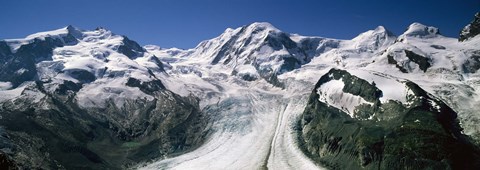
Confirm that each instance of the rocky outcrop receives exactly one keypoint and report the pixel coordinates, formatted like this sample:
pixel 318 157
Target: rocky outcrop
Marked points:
pixel 472 64
pixel 4 50
pixel 471 30
pixel 391 60
pixel 422 133
pixel 130 48
pixel 422 62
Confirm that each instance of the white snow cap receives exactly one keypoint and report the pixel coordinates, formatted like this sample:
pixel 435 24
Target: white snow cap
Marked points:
pixel 55 34
pixel 152 47
pixel 331 93
pixel 262 25
pixel 373 39
pixel 419 30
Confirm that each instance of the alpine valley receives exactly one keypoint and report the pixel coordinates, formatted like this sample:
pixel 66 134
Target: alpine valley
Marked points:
pixel 252 98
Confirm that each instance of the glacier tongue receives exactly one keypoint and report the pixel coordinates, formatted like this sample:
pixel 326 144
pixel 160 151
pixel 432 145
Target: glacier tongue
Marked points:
pixel 253 128
pixel 253 121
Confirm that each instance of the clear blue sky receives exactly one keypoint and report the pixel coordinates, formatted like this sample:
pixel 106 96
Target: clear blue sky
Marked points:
pixel 183 24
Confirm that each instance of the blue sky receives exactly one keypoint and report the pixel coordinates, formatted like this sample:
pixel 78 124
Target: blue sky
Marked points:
pixel 183 24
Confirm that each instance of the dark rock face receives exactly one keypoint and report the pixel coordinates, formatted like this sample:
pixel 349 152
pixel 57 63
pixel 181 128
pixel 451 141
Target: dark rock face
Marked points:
pixel 296 57
pixel 438 47
pixel 6 57
pixel 130 48
pixel 82 76
pixel 282 40
pixel 422 61
pixel 422 135
pixel 68 136
pixel 227 48
pixel 159 63
pixel 391 60
pixel 290 63
pixel 20 66
pixel 6 151
pixel 358 87
pixel 6 162
pixel 471 30
pixel 246 77
pixel 472 64
pixel 4 50
pixel 67 86
pixel 146 87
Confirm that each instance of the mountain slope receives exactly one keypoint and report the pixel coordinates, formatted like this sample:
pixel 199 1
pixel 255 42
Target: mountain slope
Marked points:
pixel 89 99
pixel 471 30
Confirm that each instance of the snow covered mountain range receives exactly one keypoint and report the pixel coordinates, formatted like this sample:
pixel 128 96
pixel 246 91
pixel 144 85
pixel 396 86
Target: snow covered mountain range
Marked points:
pixel 253 97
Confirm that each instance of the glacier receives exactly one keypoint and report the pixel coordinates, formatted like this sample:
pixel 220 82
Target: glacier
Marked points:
pixel 253 82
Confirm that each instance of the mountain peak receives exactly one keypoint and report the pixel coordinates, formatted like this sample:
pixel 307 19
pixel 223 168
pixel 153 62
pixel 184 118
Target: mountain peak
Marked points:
pixel 57 33
pixel 70 27
pixel 101 28
pixel 381 29
pixel 472 29
pixel 373 39
pixel 419 30
pixel 67 35
pixel 74 31
pixel 42 35
pixel 260 26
